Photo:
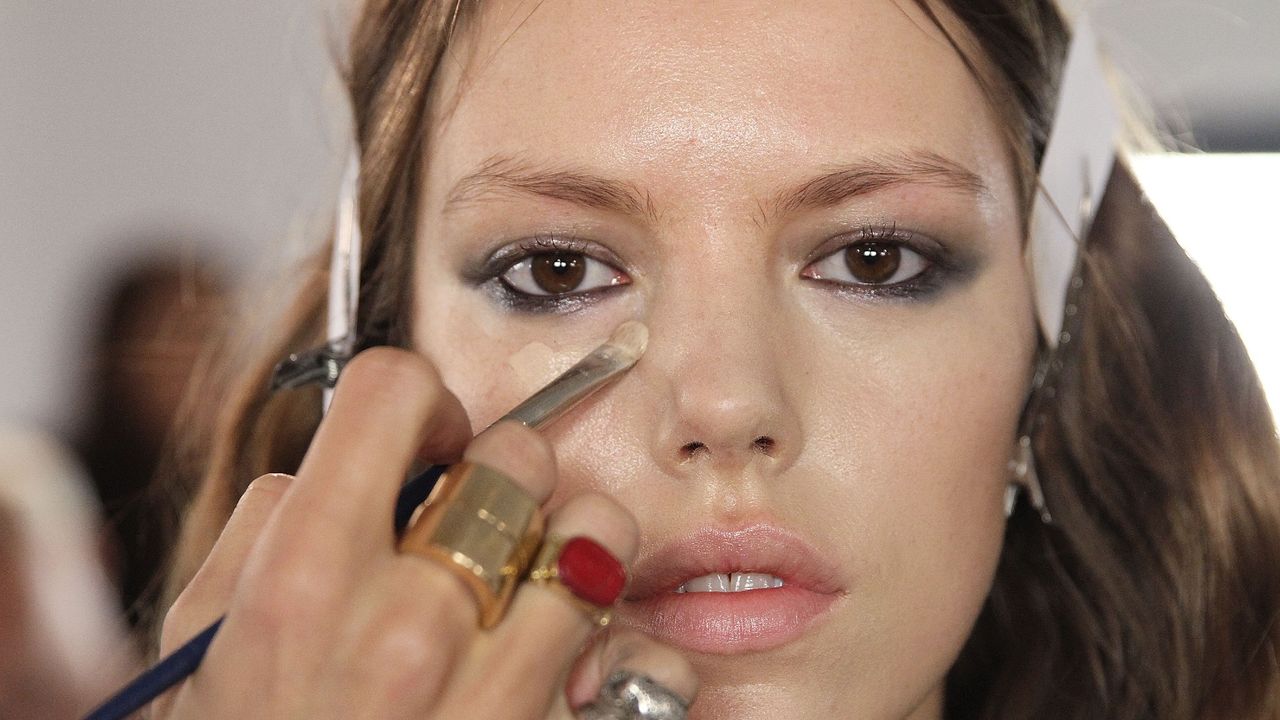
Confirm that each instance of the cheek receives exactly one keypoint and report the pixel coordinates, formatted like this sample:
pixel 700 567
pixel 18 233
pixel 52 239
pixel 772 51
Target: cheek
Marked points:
pixel 490 364
pixel 492 358
pixel 941 519
pixel 492 379
pixel 920 460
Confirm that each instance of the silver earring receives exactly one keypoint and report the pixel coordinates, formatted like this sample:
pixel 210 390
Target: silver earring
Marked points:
pixel 1023 469
pixel 1010 497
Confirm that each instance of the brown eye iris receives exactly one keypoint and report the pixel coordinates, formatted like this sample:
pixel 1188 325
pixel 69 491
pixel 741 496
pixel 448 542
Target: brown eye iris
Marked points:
pixel 558 273
pixel 873 263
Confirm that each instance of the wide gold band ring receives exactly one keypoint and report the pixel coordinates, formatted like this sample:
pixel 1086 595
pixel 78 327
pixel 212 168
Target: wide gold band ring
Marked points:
pixel 484 528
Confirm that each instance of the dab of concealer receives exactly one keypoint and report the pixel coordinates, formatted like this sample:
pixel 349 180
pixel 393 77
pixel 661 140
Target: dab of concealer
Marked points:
pixel 536 364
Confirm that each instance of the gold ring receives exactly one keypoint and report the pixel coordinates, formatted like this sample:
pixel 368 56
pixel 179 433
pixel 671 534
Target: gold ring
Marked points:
pixel 484 528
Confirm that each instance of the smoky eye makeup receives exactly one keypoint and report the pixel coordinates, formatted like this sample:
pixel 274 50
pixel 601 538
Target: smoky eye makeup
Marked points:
pixel 563 274
pixel 890 262
pixel 552 274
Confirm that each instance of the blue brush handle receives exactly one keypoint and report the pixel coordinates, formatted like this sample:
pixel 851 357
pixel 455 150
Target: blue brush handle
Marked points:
pixel 182 662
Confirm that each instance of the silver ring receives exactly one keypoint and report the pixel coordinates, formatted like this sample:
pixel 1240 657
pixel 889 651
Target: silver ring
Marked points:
pixel 632 696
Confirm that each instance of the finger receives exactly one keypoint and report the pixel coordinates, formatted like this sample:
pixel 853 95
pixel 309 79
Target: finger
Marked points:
pixel 208 595
pixel 628 650
pixel 519 453
pixel 528 461
pixel 415 646
pixel 389 407
pixel 520 666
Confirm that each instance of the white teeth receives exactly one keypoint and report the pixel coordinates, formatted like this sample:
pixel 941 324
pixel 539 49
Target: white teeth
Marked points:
pixel 735 582
pixel 753 581
pixel 715 582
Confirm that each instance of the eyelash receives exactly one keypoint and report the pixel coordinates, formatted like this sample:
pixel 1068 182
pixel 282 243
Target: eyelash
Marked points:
pixel 937 261
pixel 491 274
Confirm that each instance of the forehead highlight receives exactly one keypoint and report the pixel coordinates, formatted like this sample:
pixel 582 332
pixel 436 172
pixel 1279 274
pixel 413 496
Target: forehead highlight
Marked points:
pixel 499 46
pixel 501 77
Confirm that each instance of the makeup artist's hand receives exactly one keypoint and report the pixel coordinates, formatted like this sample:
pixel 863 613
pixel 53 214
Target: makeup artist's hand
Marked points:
pixel 325 619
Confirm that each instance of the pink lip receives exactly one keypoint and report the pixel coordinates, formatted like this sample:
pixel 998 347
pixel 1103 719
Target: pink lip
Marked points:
pixel 725 623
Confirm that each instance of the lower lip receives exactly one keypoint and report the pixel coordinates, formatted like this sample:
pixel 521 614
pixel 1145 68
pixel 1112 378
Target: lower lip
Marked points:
pixel 728 623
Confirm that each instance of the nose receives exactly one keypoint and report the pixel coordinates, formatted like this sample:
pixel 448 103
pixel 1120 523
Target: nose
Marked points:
pixel 724 404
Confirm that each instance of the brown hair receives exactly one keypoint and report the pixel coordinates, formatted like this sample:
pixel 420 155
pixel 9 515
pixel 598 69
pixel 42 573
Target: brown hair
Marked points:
pixel 1155 592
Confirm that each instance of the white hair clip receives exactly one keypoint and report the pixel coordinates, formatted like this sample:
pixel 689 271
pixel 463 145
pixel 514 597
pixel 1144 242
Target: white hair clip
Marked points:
pixel 325 363
pixel 1073 177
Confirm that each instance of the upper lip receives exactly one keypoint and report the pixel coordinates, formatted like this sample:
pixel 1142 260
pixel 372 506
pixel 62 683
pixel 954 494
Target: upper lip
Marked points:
pixel 763 548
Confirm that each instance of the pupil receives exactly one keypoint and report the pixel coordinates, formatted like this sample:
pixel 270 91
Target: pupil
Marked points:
pixel 558 273
pixel 873 262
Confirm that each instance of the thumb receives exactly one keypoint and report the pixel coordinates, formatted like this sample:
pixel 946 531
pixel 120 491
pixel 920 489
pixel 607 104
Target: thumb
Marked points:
pixel 628 651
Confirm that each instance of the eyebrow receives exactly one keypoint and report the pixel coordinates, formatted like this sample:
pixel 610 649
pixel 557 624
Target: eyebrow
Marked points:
pixel 504 174
pixel 872 174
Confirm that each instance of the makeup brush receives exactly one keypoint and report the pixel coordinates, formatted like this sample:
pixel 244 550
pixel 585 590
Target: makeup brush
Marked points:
pixel 617 355
pixel 556 398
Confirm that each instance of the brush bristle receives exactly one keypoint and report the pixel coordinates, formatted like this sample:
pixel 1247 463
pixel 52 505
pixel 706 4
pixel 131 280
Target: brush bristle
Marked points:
pixel 631 337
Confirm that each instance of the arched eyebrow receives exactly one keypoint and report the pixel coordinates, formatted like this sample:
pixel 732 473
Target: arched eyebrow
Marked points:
pixel 504 174
pixel 869 175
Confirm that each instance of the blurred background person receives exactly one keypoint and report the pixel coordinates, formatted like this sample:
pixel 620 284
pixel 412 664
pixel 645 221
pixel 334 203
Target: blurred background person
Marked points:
pixel 65 644
pixel 156 323
pixel 82 524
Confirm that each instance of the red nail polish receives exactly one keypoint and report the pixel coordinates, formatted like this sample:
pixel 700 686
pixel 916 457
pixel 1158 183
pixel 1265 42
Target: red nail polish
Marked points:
pixel 590 571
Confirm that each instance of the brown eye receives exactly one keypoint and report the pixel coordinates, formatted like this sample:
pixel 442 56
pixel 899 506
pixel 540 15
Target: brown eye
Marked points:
pixel 561 273
pixel 873 263
pixel 558 273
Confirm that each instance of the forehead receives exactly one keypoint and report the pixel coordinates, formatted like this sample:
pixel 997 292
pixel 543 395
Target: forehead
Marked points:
pixel 673 90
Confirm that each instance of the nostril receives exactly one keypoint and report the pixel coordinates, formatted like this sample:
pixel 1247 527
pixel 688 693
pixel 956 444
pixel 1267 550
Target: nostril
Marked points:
pixel 688 450
pixel 764 444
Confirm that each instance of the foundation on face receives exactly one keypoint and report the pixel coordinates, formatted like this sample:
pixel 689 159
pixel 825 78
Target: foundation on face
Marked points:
pixel 536 363
pixel 574 380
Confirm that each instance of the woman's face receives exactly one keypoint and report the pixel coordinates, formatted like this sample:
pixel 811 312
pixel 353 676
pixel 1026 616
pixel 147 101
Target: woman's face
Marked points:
pixel 810 207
